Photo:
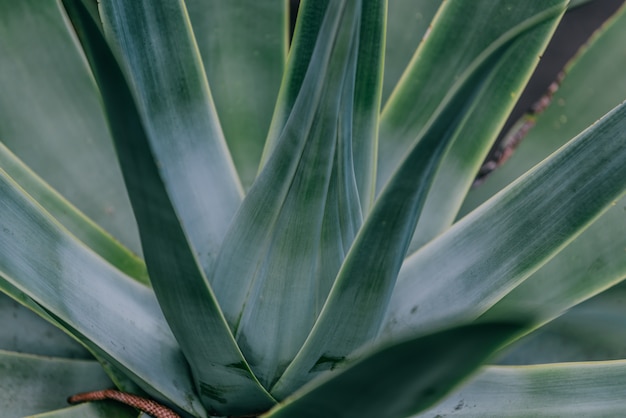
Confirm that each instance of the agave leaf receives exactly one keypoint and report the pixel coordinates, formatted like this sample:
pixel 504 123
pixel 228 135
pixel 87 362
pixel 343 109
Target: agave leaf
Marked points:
pixel 179 118
pixel 593 330
pixel 175 270
pixel 50 116
pixel 296 223
pixel 76 222
pixel 595 260
pixel 437 63
pixel 23 331
pixel 244 49
pixel 111 314
pixel 555 390
pixel 411 20
pixel 367 87
pixel 399 379
pixel 92 410
pixel 32 384
pixel 364 284
pixel 504 241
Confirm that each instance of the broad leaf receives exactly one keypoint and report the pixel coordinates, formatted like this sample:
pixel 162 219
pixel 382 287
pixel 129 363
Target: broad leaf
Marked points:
pixel 494 251
pixel 157 153
pixel 92 410
pixel 51 117
pixel 289 238
pixel 243 45
pixel 559 390
pixel 400 379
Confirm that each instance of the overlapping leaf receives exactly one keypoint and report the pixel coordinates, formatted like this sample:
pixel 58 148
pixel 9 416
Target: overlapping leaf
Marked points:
pixel 494 251
pixel 111 314
pixel 440 59
pixel 399 379
pixel 298 220
pixel 164 162
pixel 365 282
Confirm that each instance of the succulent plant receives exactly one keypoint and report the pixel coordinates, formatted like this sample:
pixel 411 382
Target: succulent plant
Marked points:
pixel 230 223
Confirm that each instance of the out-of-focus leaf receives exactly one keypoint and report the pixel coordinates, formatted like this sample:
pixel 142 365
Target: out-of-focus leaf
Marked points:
pixel 77 223
pixel 113 315
pixel 32 384
pixel 410 21
pixel 50 116
pixel 493 252
pixel 440 60
pixel 167 228
pixel 297 222
pixel 555 390
pixel 593 330
pixel 399 379
pixel 23 331
pixel 244 47
pixel 366 279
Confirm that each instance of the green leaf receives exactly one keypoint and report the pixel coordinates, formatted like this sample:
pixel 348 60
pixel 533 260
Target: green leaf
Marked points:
pixel 367 277
pixel 153 172
pixel 439 61
pixel 504 241
pixel 179 118
pixel 594 260
pixel 559 390
pixel 367 89
pixel 399 379
pixel 51 117
pixel 77 223
pixel 32 384
pixel 411 20
pixel 593 330
pixel 244 48
pixel 111 314
pixel 25 332
pixel 302 213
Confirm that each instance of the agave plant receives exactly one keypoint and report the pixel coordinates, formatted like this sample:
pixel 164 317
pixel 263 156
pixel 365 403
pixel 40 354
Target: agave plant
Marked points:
pixel 230 225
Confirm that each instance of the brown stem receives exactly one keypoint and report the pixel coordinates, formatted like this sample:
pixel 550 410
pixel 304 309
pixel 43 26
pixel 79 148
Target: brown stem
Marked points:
pixel 150 407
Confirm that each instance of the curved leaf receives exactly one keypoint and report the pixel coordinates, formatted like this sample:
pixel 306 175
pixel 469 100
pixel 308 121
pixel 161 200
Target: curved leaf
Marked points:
pixel 400 379
pixel 367 277
pixel 51 117
pixel 92 410
pixel 109 313
pixel 243 45
pixel 559 390
pixel 167 229
pixel 503 242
